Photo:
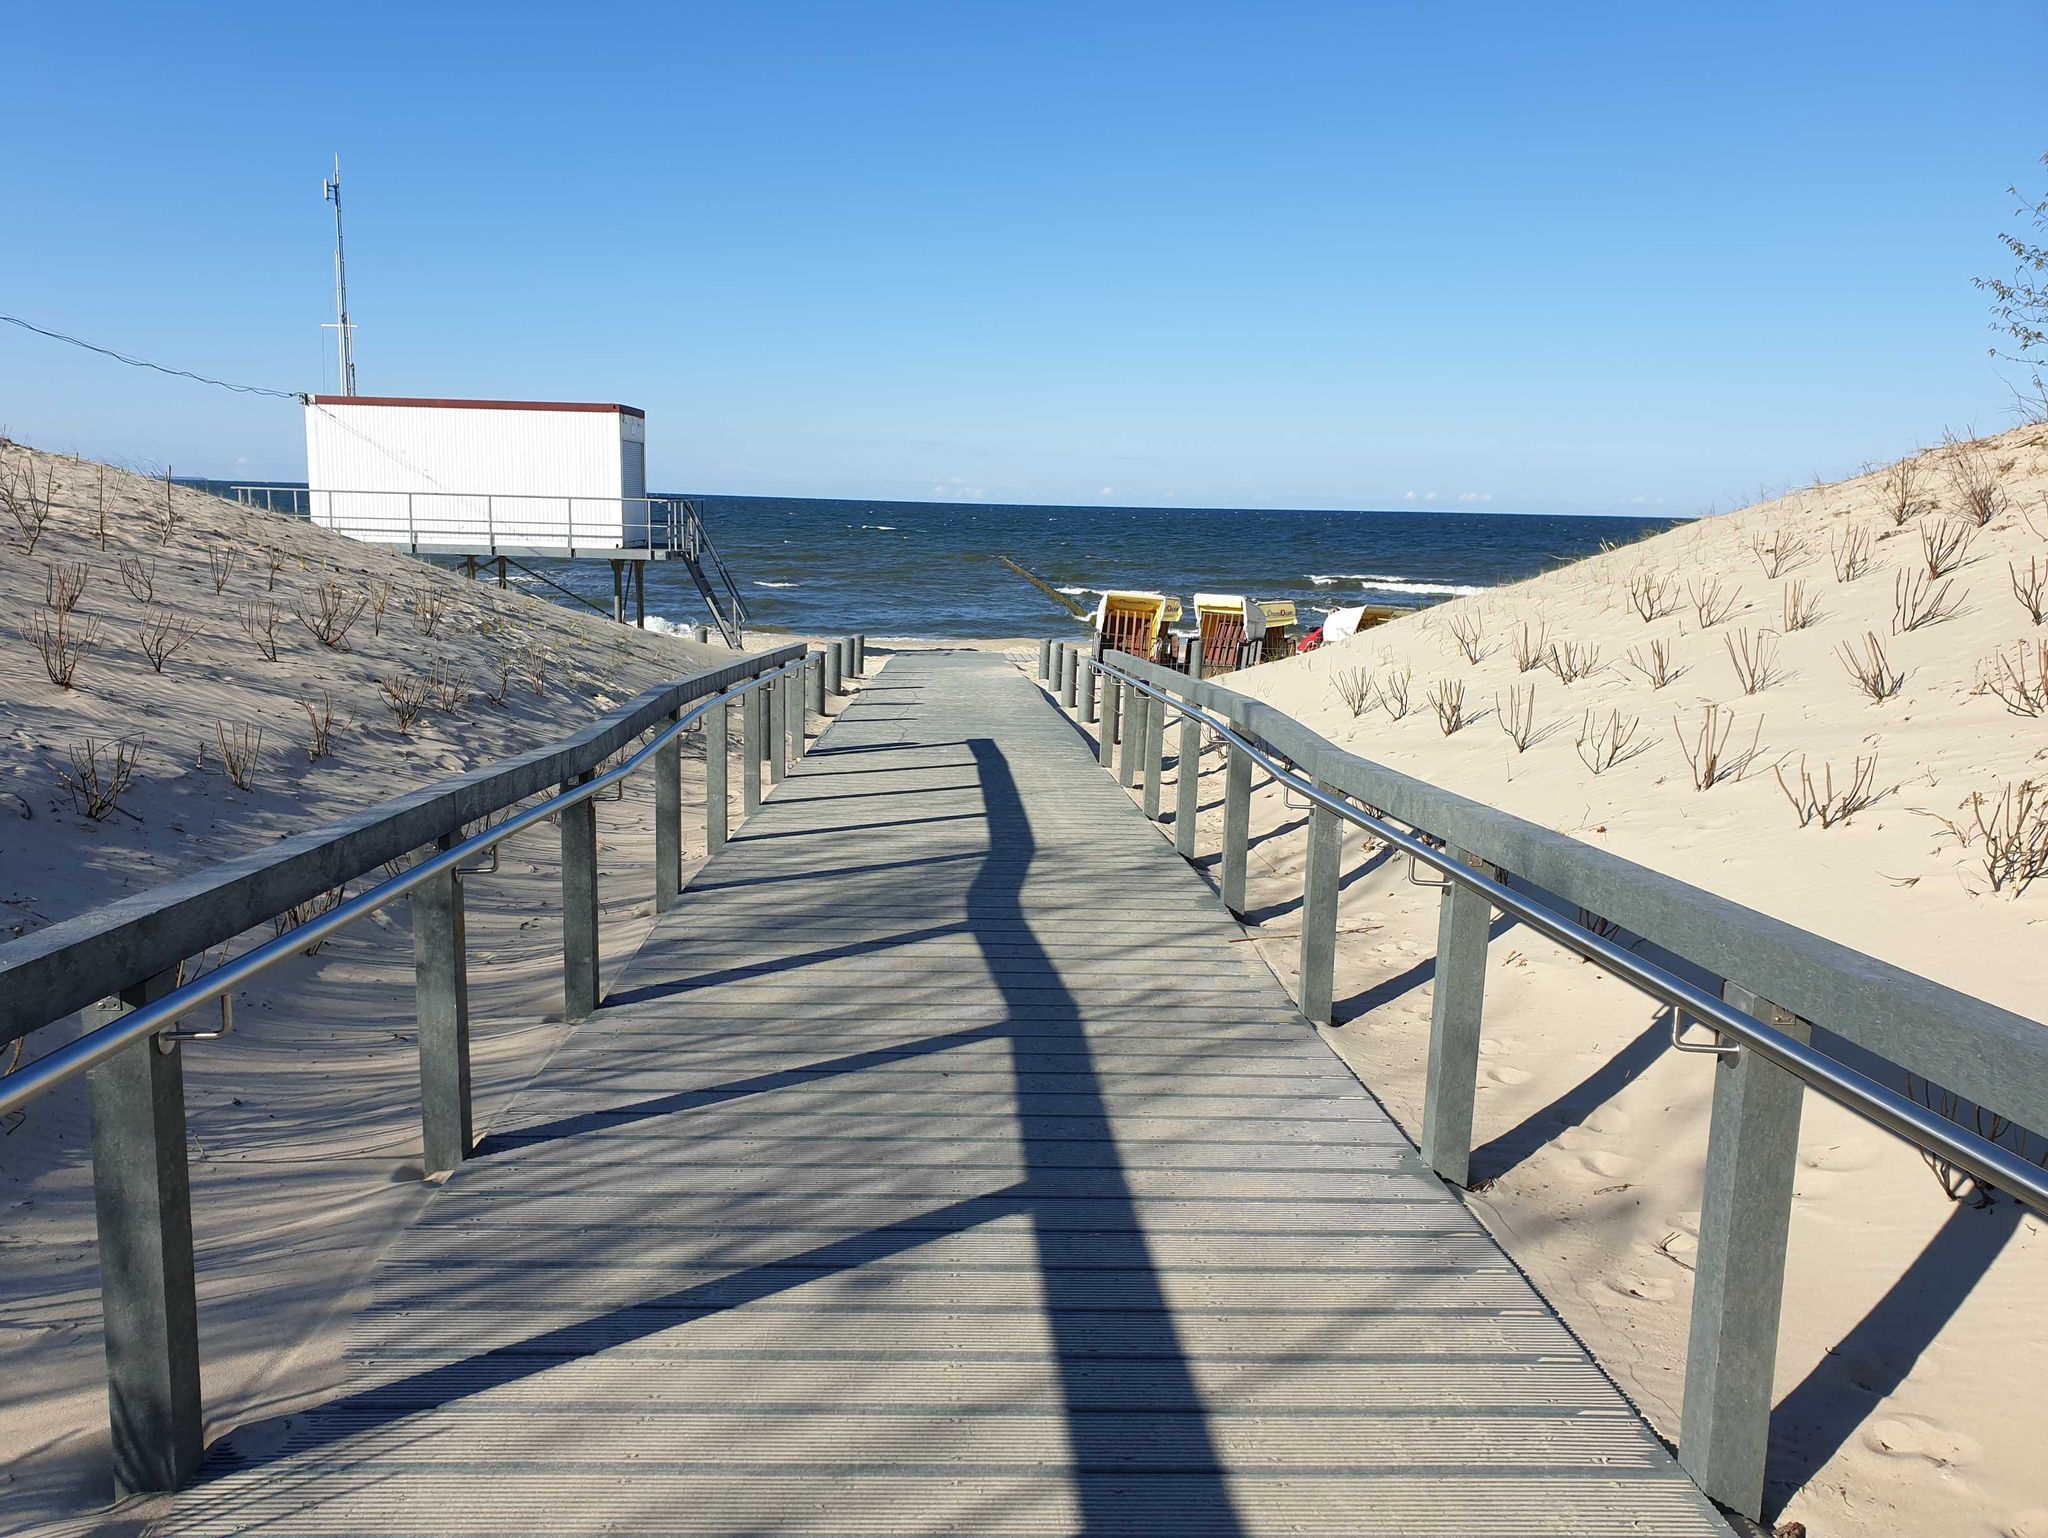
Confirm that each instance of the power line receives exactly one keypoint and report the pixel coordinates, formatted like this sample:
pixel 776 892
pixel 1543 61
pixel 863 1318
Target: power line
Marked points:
pixel 108 352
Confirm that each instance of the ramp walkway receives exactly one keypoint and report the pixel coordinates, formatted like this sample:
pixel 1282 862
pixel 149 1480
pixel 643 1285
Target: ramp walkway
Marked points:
pixel 939 1166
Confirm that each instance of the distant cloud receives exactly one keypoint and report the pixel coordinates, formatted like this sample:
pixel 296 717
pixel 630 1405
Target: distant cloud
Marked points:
pixel 1475 496
pixel 1408 497
pixel 1107 491
pixel 954 489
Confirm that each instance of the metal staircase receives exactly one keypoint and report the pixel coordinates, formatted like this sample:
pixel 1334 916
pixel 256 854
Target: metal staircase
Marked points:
pixel 688 541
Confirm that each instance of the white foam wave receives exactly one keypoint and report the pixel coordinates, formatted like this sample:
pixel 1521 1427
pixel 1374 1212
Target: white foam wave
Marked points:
pixel 1077 592
pixel 775 584
pixel 1382 582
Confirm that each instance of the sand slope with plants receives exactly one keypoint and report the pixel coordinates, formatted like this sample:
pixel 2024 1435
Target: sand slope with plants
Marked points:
pixel 301 676
pixel 1832 707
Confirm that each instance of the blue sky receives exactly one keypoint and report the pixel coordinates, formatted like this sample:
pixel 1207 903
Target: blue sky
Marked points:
pixel 1586 258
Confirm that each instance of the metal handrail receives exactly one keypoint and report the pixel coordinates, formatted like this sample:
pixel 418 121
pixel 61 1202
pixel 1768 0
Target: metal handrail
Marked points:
pixel 1987 1161
pixel 68 1062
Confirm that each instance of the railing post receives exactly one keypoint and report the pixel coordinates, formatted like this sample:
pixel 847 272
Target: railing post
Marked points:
pixel 1237 820
pixel 579 904
pixel 1070 681
pixel 1457 1001
pixel 860 655
pixel 142 1194
pixel 668 822
pixel 778 730
pixel 1112 711
pixel 1045 661
pixel 440 965
pixel 814 680
pixel 1325 858
pixel 835 657
pixel 1745 1215
pixel 1088 681
pixel 1155 754
pixel 1133 737
pixel 716 791
pixel 1187 787
pixel 752 749
pixel 796 684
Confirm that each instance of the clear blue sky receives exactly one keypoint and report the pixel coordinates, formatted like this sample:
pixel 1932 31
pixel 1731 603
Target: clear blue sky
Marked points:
pixel 1579 258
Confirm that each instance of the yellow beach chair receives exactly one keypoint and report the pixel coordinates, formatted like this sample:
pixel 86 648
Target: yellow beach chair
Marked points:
pixel 1227 624
pixel 1278 640
pixel 1130 622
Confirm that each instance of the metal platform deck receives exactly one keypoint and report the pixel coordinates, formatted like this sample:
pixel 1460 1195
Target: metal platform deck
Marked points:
pixel 939 1166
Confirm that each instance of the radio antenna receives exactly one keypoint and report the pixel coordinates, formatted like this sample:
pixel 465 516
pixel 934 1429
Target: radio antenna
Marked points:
pixel 344 328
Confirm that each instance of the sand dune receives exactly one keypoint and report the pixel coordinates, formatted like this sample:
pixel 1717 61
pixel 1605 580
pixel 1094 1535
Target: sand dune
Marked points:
pixel 1911 1355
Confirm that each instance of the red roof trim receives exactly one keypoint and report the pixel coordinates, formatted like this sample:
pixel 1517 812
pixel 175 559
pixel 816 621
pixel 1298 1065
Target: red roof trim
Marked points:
pixel 408 400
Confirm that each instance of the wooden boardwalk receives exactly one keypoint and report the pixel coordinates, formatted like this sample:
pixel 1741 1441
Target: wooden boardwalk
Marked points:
pixel 940 1167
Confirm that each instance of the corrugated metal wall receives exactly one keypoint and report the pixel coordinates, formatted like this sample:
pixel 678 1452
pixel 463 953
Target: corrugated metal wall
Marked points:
pixel 458 476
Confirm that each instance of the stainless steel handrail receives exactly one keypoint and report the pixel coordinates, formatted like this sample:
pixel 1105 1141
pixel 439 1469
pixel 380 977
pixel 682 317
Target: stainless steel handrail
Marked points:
pixel 68 1062
pixel 1925 1129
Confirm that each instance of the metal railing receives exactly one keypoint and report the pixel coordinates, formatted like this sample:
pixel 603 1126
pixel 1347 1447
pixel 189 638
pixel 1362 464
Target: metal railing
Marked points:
pixel 131 1053
pixel 519 524
pixel 1764 1056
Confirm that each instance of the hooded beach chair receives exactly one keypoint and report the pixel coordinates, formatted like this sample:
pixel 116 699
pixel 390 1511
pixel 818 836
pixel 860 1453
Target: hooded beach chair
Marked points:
pixel 1227 623
pixel 1277 639
pixel 1130 622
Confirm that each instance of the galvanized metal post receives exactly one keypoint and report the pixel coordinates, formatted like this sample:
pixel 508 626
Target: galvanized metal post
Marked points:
pixel 1134 736
pixel 716 791
pixel 1155 755
pixel 1745 1215
pixel 834 659
pixel 848 663
pixel 579 904
pixel 795 684
pixel 1237 822
pixel 1319 876
pixel 1456 1004
pixel 1112 712
pixel 1045 661
pixel 440 966
pixel 1087 689
pixel 753 716
pixel 778 730
pixel 814 680
pixel 668 822
pixel 1187 787
pixel 142 1195
pixel 860 654
pixel 1070 680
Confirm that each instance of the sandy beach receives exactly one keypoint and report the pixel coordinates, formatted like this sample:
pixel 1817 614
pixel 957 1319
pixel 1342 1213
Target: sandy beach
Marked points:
pixel 1905 1311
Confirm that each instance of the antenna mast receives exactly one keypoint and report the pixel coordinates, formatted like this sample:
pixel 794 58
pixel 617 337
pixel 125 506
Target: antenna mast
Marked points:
pixel 344 328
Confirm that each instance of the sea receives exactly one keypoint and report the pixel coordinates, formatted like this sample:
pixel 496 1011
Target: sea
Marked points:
pixel 931 569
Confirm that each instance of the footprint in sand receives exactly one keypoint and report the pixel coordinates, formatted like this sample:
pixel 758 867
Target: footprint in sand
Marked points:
pixel 2031 1523
pixel 1650 1289
pixel 1913 1436
pixel 1507 1074
pixel 1608 1166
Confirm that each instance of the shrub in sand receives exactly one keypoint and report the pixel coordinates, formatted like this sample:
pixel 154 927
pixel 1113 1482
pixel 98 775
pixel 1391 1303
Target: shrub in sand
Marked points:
pixel 260 618
pixel 140 580
pixel 1706 748
pixel 220 565
pixel 1530 647
pixel 319 711
pixel 1916 601
pixel 161 634
pixel 1602 745
pixel 1572 661
pixel 1869 670
pixel 406 694
pixel 2020 681
pixel 241 751
pixel 1902 492
pixel 1946 544
pixel 1801 606
pixel 333 614
pixel 1516 717
pixel 1711 603
pixel 60 643
pixel 1754 656
pixel 1972 481
pixel 1447 699
pixel 1354 688
pixel 64 583
pixel 1394 692
pixel 1823 803
pixel 2032 588
pixel 100 775
pixel 28 505
pixel 1779 550
pixel 1654 663
pixel 1850 551
pixel 2009 834
pixel 1651 593
pixel 1466 633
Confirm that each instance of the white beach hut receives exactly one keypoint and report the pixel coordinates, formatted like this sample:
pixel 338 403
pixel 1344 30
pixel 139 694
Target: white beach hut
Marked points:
pixel 475 477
